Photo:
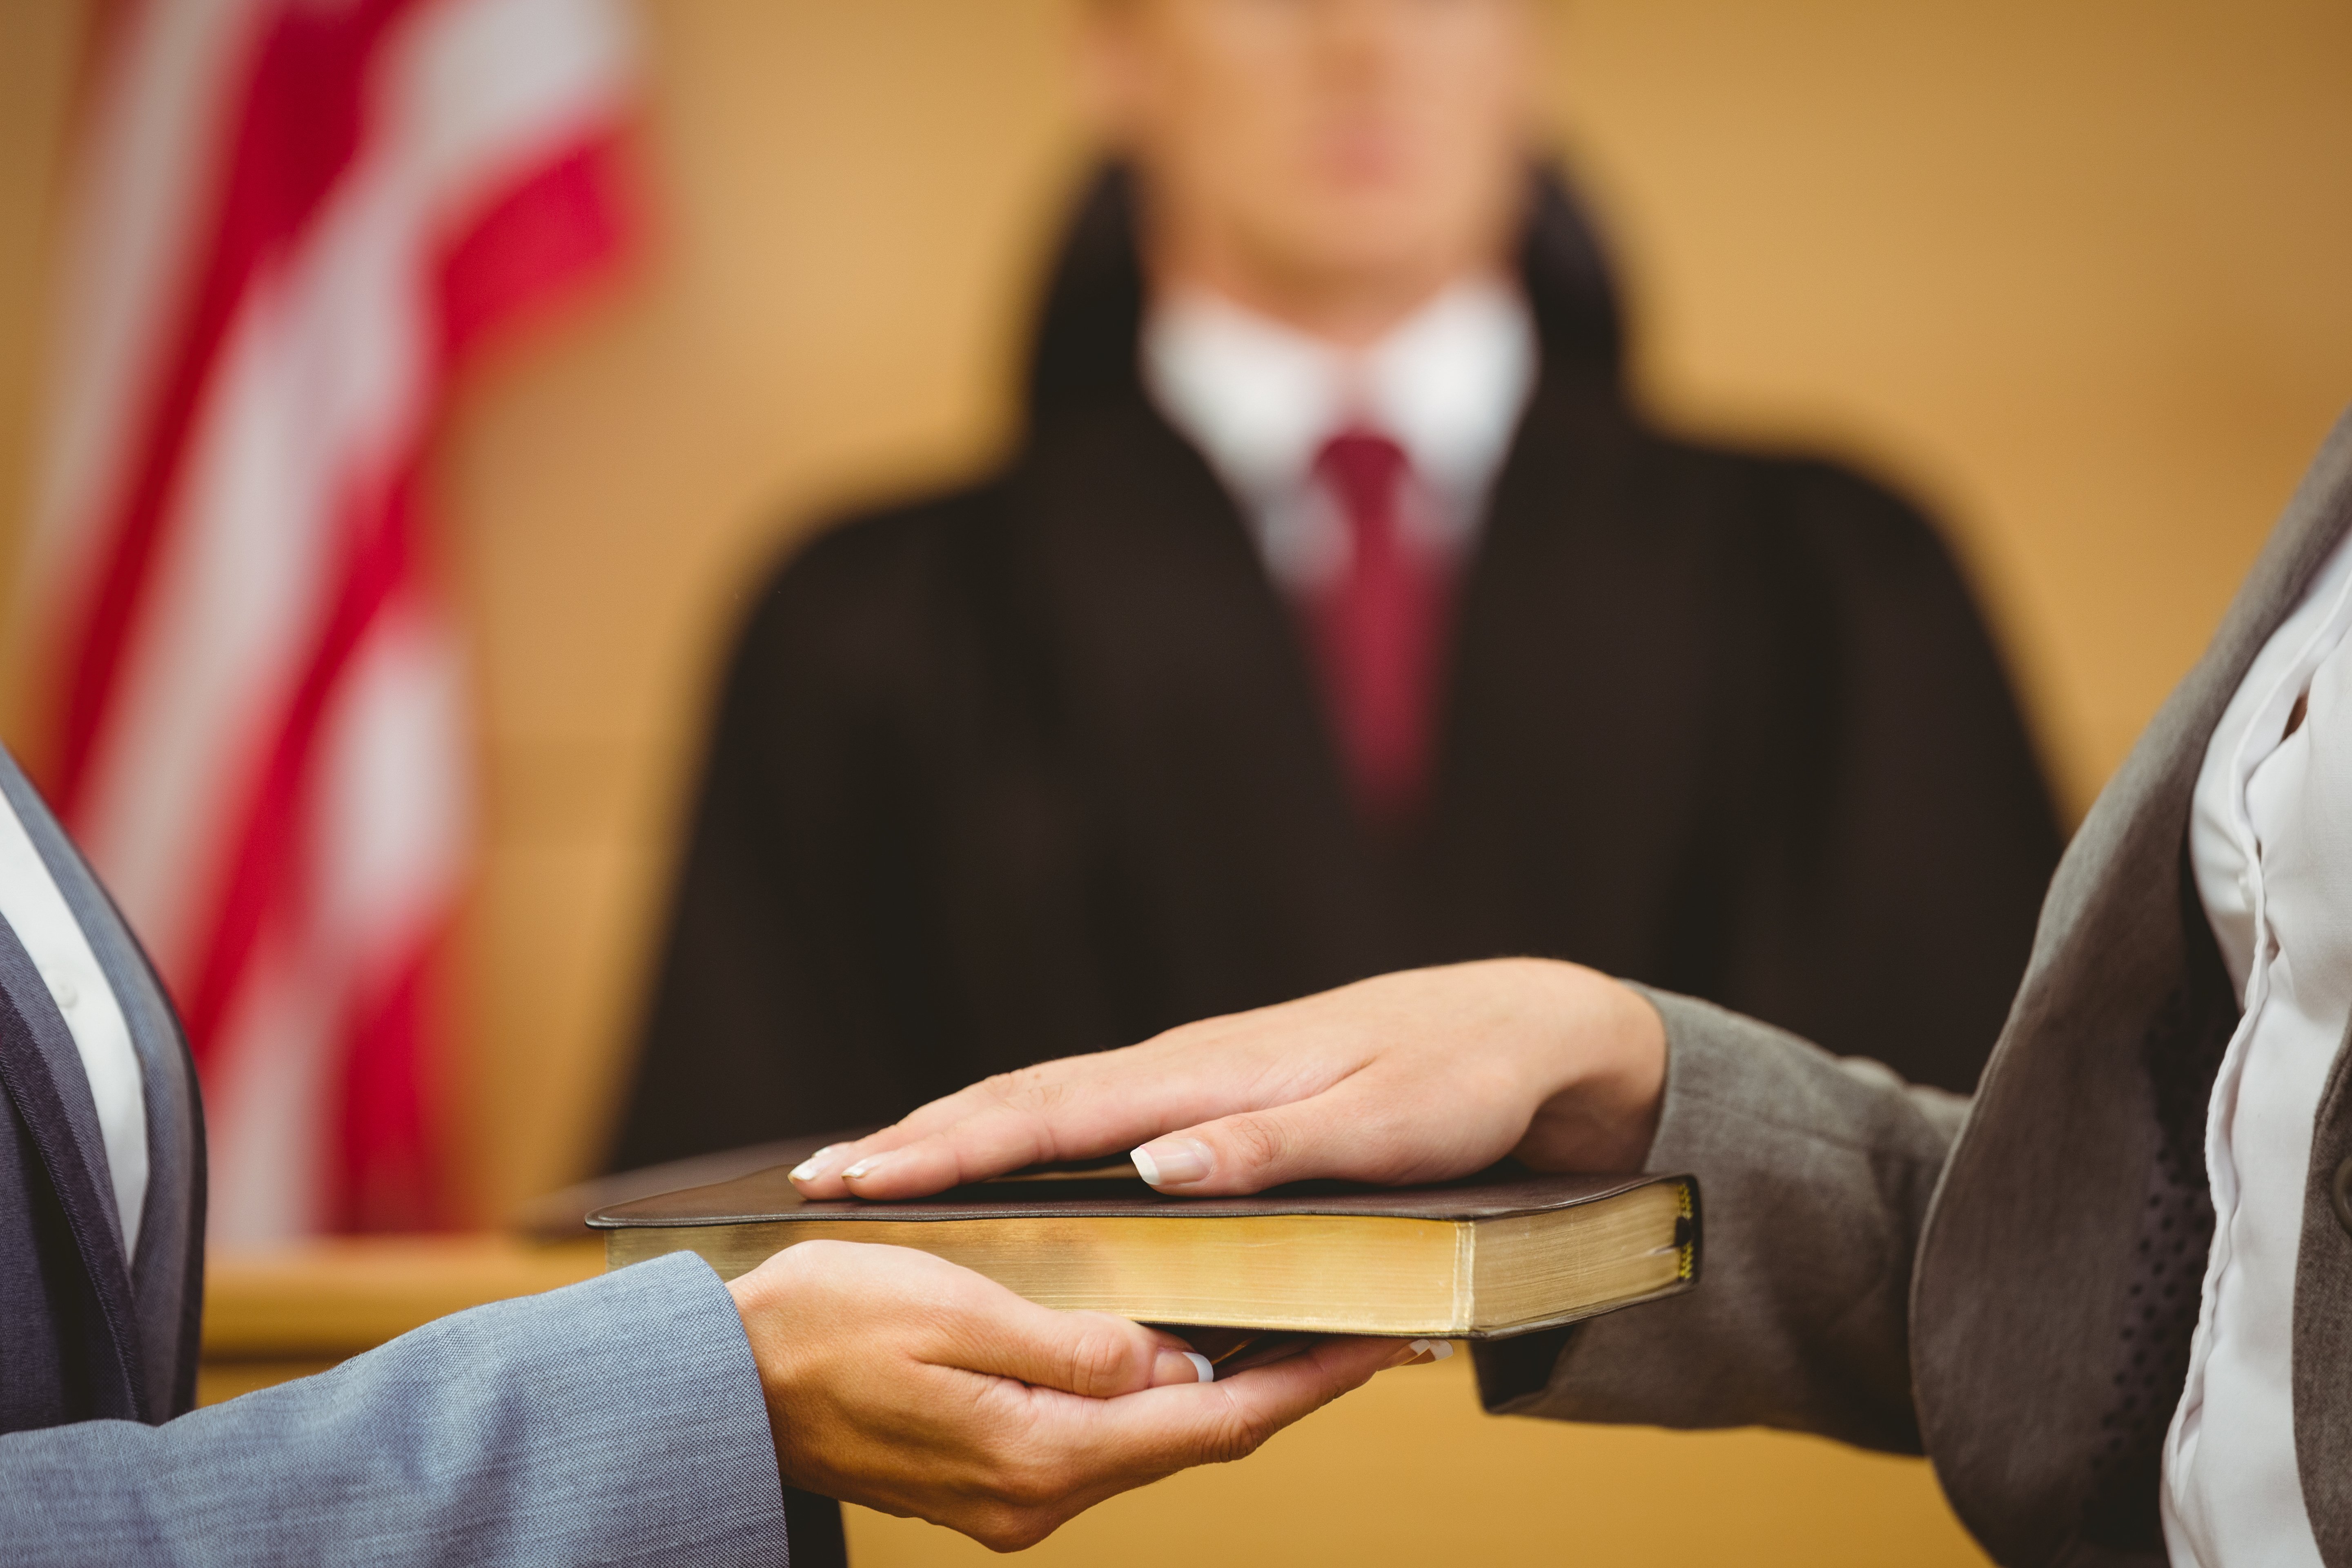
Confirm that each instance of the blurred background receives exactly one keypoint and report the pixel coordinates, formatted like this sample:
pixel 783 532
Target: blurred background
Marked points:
pixel 2075 277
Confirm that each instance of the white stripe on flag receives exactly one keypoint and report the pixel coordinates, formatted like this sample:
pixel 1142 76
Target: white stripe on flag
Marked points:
pixel 391 832
pixel 160 120
pixel 310 411
pixel 269 1126
pixel 319 399
pixel 394 817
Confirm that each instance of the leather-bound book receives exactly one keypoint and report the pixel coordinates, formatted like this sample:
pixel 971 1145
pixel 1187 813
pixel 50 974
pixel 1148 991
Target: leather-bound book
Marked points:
pixel 1502 1253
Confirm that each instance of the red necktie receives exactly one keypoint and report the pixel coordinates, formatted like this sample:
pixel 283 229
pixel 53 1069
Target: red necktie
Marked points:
pixel 1379 630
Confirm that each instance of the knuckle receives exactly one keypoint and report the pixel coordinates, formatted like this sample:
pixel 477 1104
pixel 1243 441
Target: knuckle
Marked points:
pixel 1025 1089
pixel 1005 1087
pixel 1258 1140
pixel 1026 1100
pixel 1098 1363
pixel 1238 1434
pixel 803 1258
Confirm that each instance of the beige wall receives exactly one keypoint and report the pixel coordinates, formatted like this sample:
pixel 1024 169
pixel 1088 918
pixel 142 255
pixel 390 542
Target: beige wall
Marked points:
pixel 1408 1473
pixel 39 42
pixel 2075 274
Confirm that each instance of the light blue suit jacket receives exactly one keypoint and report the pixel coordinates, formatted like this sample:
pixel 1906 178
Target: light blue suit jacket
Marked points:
pixel 618 1421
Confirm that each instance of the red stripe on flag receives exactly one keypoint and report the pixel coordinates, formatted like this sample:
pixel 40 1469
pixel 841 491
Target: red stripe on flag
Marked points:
pixel 297 111
pixel 381 1174
pixel 552 229
pixel 563 223
pixel 300 130
pixel 565 214
pixel 264 872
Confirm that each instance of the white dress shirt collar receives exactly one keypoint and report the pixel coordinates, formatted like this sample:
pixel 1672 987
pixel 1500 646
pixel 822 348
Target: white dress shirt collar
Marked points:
pixel 1259 399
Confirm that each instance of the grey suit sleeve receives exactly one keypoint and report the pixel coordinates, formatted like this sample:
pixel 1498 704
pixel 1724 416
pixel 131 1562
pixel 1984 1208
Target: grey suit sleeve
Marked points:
pixel 1814 1177
pixel 618 1421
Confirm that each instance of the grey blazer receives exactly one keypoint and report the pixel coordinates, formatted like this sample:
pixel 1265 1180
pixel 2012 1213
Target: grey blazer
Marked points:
pixel 618 1421
pixel 2000 1282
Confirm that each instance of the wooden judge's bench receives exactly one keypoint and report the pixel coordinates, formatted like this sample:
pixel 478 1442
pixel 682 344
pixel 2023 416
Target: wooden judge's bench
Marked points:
pixel 1406 1471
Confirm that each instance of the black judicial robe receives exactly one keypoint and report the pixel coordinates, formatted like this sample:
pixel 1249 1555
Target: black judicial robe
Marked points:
pixel 1038 766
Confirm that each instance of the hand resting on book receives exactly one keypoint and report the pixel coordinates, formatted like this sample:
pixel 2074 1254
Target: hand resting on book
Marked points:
pixel 1416 1076
pixel 905 1382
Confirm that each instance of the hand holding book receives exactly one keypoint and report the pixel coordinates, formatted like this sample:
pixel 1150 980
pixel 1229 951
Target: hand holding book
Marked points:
pixel 1418 1076
pixel 900 1380
pixel 934 1375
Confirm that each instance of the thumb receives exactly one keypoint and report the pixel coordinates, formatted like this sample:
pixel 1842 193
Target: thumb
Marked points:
pixel 1092 1354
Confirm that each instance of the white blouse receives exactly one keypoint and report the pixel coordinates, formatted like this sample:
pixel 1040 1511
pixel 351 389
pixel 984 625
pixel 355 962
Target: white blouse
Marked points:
pixel 2271 843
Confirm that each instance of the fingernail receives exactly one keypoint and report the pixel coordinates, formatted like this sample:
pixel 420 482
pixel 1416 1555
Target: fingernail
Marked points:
pixel 1174 1161
pixel 1435 1350
pixel 873 1164
pixel 1183 1366
pixel 809 1168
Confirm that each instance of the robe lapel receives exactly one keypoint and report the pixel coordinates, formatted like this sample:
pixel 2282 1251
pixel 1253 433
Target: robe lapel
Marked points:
pixel 1191 699
pixel 1577 744
pixel 40 1070
pixel 2067 1106
pixel 1578 678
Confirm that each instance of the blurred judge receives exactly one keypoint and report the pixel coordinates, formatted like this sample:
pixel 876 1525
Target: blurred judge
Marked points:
pixel 1339 614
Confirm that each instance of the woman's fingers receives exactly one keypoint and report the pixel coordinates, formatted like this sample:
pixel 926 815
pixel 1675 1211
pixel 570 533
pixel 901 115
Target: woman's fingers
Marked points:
pixel 902 1381
pixel 818 1175
pixel 1335 1132
pixel 1392 1123
pixel 1091 1355
pixel 1081 1108
pixel 1168 1429
pixel 1076 1453
pixel 945 1315
pixel 1073 1453
pixel 1418 1076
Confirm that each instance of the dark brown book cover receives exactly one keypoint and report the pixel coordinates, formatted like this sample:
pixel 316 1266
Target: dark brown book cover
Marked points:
pixel 769 1196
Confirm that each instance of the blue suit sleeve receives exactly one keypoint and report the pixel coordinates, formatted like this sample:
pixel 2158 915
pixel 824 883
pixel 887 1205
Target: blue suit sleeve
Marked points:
pixel 618 1421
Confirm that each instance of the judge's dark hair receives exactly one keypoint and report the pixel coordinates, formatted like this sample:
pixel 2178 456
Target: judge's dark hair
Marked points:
pixel 1093 304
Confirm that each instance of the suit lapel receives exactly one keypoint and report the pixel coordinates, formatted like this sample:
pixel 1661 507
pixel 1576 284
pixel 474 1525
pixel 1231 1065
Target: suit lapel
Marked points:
pixel 167 1274
pixel 2323 1280
pixel 2049 1177
pixel 2323 1322
pixel 41 1072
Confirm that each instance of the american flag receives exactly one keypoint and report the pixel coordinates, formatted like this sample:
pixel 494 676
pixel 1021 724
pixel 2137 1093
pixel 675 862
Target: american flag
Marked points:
pixel 288 222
